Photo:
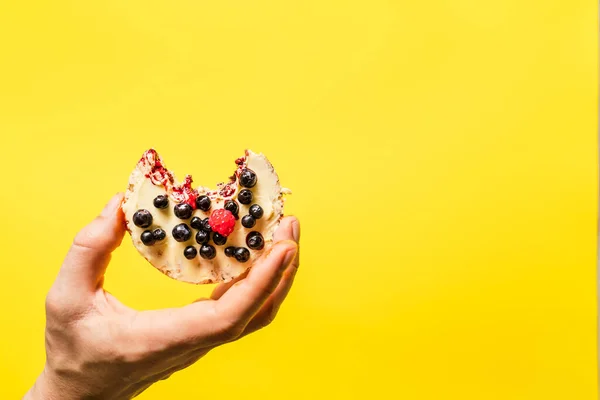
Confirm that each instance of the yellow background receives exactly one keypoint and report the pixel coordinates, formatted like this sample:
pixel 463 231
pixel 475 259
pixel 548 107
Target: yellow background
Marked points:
pixel 442 156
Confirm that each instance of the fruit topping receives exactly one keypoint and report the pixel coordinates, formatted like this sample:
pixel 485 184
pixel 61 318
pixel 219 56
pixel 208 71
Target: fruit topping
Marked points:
pixel 222 221
pixel 190 252
pixel 161 201
pixel 182 233
pixel 183 211
pixel 207 252
pixel 248 178
pixel 142 218
pixel 219 239
pixel 248 221
pixel 242 254
pixel 159 234
pixel 203 203
pixel 245 196
pixel 256 211
pixel 147 238
pixel 255 241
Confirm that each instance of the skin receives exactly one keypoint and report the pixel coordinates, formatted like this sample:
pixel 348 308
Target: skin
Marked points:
pixel 98 348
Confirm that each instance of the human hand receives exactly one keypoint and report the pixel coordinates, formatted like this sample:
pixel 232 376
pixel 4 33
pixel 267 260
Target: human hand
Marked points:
pixel 98 348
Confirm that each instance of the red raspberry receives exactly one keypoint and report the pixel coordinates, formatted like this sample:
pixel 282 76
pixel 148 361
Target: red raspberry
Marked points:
pixel 222 221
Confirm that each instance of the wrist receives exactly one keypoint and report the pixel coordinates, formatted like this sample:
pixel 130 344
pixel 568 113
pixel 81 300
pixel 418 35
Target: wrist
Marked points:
pixel 50 386
pixel 46 388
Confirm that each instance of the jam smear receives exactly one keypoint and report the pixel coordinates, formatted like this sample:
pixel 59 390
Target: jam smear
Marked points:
pixel 185 193
pixel 155 170
pixel 159 175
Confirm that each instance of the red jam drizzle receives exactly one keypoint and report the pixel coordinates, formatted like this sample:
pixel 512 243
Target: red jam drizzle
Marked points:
pixel 160 176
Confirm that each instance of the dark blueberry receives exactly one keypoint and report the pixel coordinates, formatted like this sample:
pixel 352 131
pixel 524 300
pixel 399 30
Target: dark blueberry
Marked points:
pixel 159 234
pixel 255 241
pixel 248 178
pixel 232 206
pixel 182 233
pixel 219 239
pixel 203 203
pixel 245 196
pixel 202 237
pixel 161 201
pixel 229 251
pixel 183 211
pixel 207 251
pixel 148 238
pixel 248 221
pixel 196 223
pixel 256 211
pixel 206 226
pixel 142 218
pixel 242 254
pixel 190 252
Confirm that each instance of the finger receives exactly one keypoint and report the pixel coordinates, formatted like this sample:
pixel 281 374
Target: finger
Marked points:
pixel 85 263
pixel 246 297
pixel 213 322
pixel 201 299
pixel 205 323
pixel 269 310
pixel 224 287
pixel 289 229
pixel 266 315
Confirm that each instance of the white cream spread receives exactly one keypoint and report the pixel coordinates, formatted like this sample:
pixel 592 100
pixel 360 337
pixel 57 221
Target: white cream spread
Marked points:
pixel 150 178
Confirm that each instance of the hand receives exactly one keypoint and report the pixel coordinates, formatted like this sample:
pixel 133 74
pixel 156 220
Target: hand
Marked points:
pixel 96 347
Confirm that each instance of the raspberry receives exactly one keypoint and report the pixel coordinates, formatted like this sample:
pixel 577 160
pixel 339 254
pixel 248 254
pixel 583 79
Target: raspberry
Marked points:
pixel 222 221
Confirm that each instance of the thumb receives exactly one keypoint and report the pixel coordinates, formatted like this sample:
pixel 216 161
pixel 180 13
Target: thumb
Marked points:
pixel 89 255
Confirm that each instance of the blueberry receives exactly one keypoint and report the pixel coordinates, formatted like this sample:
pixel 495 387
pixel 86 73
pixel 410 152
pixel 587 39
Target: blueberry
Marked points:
pixel 256 211
pixel 255 241
pixel 142 218
pixel 248 221
pixel 219 239
pixel 242 254
pixel 148 238
pixel 161 201
pixel 183 211
pixel 207 251
pixel 248 178
pixel 190 252
pixel 229 251
pixel 245 196
pixel 159 234
pixel 206 226
pixel 196 223
pixel 182 233
pixel 203 203
pixel 202 237
pixel 232 206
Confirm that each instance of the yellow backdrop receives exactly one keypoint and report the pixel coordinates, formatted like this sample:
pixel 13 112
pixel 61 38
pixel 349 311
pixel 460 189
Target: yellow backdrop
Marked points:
pixel 442 156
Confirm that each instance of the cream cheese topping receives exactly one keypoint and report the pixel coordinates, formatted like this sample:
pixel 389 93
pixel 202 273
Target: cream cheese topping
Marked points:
pixel 150 178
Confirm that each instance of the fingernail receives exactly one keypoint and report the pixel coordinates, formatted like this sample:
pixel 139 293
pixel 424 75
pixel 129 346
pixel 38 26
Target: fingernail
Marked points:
pixel 296 230
pixel 111 206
